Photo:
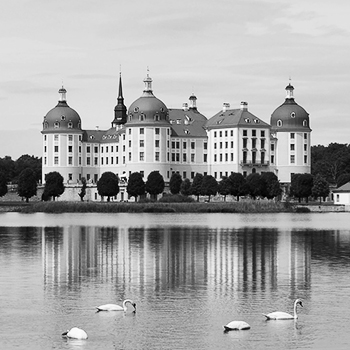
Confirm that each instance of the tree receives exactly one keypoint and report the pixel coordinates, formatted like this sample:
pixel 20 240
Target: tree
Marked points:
pixel 209 186
pixel 53 185
pixel 255 185
pixel 185 189
pixel 175 183
pixel 224 187
pixel 196 187
pixel 82 192
pixel 155 184
pixel 7 166
pixel 108 185
pixel 301 186
pixel 27 161
pixel 27 184
pixel 136 185
pixel 238 185
pixel 343 179
pixel 3 184
pixel 271 187
pixel 320 187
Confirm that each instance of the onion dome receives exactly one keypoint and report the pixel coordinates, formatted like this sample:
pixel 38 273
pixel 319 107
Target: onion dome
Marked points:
pixel 290 116
pixel 148 109
pixel 62 118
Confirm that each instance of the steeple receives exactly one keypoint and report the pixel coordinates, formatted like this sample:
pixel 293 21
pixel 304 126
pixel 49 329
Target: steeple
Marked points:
pixel 120 110
pixel 193 102
pixel 63 99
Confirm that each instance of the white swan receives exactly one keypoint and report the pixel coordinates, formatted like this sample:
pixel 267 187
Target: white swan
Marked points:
pixel 279 315
pixel 114 307
pixel 236 326
pixel 75 333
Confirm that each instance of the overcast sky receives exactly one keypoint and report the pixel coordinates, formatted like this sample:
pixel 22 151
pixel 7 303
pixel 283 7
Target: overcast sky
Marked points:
pixel 220 50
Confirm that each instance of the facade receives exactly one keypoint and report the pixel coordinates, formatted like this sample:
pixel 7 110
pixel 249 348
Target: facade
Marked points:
pixel 150 136
pixel 342 195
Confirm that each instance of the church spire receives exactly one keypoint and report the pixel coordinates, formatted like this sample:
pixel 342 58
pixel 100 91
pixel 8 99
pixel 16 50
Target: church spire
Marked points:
pixel 119 109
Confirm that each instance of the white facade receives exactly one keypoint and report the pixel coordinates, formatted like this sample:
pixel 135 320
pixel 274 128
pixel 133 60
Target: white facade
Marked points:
pixel 150 137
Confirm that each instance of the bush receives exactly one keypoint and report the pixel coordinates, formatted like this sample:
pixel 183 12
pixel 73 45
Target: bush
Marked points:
pixel 175 198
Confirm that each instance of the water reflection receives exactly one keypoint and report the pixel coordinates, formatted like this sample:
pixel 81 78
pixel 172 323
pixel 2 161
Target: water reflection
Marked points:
pixel 221 260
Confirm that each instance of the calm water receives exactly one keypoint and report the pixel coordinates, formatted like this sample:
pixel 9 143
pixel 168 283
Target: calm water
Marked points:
pixel 189 275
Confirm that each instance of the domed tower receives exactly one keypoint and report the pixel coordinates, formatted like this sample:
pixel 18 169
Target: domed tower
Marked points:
pixel 62 136
pixel 148 134
pixel 290 139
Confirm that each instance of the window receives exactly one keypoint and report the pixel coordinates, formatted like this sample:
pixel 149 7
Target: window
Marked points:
pixel 305 122
pixel 192 157
pixel 56 160
pixel 45 160
pixel 96 161
pixel 205 158
pixel 215 158
pixel 245 141
pixel 56 137
pixel 272 147
pixel 305 147
pixel 184 145
pixel 226 157
pixel 70 160
pixel 88 149
pixel 192 174
pixel 56 125
pixel 70 125
pixel 178 144
pixel 225 133
pixel 253 143
pixel 292 135
pixel 142 143
pixel 254 132
pixel 45 149
pixel 305 136
pixel 123 159
pixel 173 144
pixel 262 157
pixel 292 159
pixel 96 149
pixel 262 143
pixel 111 149
pixel 142 156
pixel 226 144
pixel 101 160
pixel 70 137
pixel 231 157
pixel 205 145
pixel 56 149
pixel 214 145
pixel 215 175
pixel 106 160
pixel 220 157
pixel 70 177
pixel 231 144
pixel 88 161
pixel 79 160
pixel 193 145
pixel 214 133
pixel 129 156
pixel 244 157
pixel 142 131
pixel 79 149
pixel 45 137
pixel 254 157
pixel 279 123
pixel 157 156
pixel 116 160
pixel 177 157
pixel 173 157
pixel 184 175
pixel 292 147
pixel 220 144
pixel 70 149
pixel 272 159
pixel 262 133
pixel 305 159
pixel 129 143
pixel 220 133
pixel 184 157
pixel 157 131
pixel 245 132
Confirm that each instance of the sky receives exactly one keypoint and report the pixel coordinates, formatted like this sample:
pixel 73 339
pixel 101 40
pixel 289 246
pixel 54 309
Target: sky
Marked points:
pixel 220 50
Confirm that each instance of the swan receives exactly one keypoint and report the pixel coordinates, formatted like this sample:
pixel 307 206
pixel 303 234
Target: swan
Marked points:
pixel 236 326
pixel 114 307
pixel 278 315
pixel 75 333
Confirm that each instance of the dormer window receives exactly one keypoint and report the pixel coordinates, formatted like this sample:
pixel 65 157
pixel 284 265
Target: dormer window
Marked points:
pixel 130 117
pixel 142 117
pixel 63 117
pixel 156 117
pixel 247 120
pixel 136 109
pixel 292 115
pixel 279 123
pixel 256 121
pixel 70 125
pixel 304 122
pixel 56 125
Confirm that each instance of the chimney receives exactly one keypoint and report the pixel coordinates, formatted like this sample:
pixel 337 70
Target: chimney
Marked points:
pixel 244 106
pixel 225 106
pixel 185 106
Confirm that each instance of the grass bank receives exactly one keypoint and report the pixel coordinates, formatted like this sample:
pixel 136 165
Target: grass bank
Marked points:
pixel 156 207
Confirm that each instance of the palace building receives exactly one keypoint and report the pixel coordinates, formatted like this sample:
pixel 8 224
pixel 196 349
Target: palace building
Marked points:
pixel 150 136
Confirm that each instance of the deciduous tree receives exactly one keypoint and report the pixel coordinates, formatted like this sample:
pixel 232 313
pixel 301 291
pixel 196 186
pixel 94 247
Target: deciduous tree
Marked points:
pixel 175 183
pixel 185 187
pixel 53 185
pixel 224 187
pixel 136 185
pixel 320 188
pixel 3 184
pixel 238 185
pixel 209 186
pixel 154 184
pixel 108 185
pixel 27 184
pixel 196 187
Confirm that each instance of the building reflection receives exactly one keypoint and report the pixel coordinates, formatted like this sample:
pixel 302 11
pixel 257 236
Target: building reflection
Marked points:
pixel 167 258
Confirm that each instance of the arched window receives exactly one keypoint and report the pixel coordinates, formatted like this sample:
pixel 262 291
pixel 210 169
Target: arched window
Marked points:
pixel 279 123
pixel 56 125
pixel 70 125
pixel 304 122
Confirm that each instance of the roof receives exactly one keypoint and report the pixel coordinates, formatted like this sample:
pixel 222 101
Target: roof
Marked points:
pixel 344 188
pixel 187 123
pixel 93 135
pixel 234 118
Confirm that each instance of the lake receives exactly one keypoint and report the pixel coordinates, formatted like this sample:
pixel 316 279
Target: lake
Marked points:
pixel 189 275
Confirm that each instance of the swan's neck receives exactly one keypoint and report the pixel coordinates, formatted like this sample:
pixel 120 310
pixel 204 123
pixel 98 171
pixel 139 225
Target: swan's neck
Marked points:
pixel 124 304
pixel 295 311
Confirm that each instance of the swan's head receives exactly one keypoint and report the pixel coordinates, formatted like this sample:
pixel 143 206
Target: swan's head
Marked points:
pixel 134 305
pixel 64 334
pixel 299 302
